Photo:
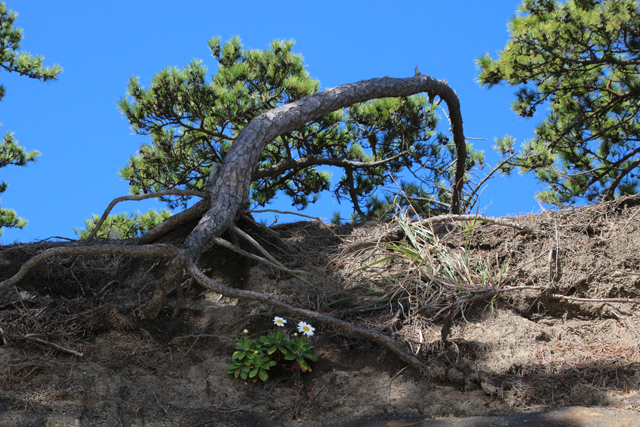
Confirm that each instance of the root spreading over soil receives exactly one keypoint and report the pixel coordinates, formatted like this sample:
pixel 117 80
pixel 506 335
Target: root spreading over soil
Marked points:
pixel 557 328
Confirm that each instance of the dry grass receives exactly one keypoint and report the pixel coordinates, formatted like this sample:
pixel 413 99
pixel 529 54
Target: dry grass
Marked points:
pixel 423 274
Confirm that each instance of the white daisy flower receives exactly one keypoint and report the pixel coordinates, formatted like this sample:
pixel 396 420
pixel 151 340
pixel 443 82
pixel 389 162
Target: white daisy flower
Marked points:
pixel 306 329
pixel 279 321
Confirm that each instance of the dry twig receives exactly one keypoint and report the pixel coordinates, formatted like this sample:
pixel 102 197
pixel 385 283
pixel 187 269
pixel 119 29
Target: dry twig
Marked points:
pixel 299 214
pixel 30 337
pixel 623 300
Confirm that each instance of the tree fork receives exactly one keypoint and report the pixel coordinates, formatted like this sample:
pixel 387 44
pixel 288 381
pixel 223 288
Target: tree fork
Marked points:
pixel 232 185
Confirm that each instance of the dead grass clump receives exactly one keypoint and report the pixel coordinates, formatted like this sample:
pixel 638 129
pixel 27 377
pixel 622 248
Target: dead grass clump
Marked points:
pixel 423 275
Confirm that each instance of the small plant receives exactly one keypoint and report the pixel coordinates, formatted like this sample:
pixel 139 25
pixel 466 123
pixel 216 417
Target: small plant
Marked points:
pixel 299 352
pixel 254 357
pixel 336 219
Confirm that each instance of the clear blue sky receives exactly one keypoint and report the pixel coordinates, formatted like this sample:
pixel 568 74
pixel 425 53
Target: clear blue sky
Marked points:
pixel 84 140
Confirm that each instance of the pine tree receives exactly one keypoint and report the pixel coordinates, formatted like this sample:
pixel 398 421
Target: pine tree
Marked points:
pixel 193 123
pixel 25 65
pixel 581 59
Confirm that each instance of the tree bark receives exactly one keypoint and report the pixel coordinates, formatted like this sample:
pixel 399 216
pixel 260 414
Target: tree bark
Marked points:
pixel 231 188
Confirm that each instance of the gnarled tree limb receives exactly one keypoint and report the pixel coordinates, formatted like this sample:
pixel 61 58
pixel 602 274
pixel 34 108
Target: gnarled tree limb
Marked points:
pixel 232 185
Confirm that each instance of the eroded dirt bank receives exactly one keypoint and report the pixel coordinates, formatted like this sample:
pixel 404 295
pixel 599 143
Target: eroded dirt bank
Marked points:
pixel 568 337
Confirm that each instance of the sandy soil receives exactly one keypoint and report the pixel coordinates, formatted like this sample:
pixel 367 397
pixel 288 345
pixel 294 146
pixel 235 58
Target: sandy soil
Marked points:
pixel 568 337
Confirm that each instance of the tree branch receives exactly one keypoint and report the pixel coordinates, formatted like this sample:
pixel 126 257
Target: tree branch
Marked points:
pixel 30 337
pixel 313 161
pixel 136 198
pixel 611 188
pixel 426 199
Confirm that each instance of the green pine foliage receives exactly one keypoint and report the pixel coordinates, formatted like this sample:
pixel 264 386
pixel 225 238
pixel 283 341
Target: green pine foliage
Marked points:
pixel 336 218
pixel 127 226
pixel 192 122
pixel 581 60
pixel 24 64
pixel 14 61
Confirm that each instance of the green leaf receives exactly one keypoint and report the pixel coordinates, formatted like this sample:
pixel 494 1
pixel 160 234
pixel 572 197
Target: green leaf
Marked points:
pixel 409 232
pixel 239 355
pixel 375 263
pixel 310 356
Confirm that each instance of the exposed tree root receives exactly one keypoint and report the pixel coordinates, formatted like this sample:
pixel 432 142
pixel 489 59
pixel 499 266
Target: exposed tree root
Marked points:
pixel 194 213
pixel 276 265
pixel 272 261
pixel 170 251
pixel 147 251
pixel 347 327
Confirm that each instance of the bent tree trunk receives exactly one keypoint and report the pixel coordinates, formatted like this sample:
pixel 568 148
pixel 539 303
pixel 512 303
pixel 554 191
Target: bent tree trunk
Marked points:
pixel 232 183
